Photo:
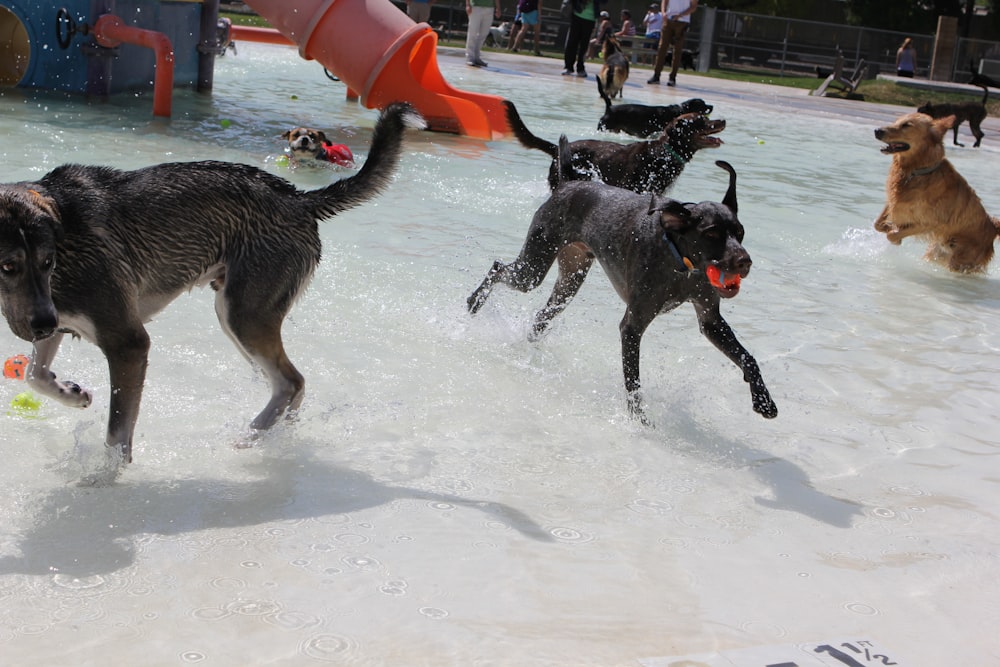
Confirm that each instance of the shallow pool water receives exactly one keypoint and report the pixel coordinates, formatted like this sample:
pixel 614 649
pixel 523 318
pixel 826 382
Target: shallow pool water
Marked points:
pixel 452 494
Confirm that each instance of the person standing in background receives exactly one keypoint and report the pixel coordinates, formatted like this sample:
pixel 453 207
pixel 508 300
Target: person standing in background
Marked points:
pixel 906 59
pixel 578 38
pixel 481 13
pixel 419 10
pixel 652 24
pixel 528 10
pixel 677 15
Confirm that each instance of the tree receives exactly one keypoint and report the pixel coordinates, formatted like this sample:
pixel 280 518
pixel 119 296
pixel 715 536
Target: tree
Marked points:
pixel 900 15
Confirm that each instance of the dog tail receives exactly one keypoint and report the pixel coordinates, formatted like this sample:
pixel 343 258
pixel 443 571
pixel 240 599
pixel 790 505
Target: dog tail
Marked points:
pixel 376 174
pixel 604 95
pixel 986 94
pixel 524 135
pixel 564 163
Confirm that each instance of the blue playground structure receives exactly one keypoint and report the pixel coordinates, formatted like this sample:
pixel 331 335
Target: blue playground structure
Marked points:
pixel 102 47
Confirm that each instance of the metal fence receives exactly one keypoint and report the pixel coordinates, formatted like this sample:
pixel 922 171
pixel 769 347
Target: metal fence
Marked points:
pixel 799 47
pixel 785 47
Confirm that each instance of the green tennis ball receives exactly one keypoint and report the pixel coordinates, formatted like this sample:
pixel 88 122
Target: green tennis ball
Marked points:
pixel 25 404
pixel 225 123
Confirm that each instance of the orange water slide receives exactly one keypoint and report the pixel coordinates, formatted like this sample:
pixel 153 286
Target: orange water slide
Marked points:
pixel 384 57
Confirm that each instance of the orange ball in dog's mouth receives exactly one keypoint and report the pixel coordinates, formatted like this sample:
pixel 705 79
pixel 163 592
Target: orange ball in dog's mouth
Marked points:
pixel 728 284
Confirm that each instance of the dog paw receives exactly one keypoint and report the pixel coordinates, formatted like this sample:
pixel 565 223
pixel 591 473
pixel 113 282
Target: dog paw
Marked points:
pixel 636 410
pixel 764 406
pixel 75 396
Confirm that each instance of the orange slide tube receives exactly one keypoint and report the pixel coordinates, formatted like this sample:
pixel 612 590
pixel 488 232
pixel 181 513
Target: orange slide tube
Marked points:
pixel 249 33
pixel 110 31
pixel 379 52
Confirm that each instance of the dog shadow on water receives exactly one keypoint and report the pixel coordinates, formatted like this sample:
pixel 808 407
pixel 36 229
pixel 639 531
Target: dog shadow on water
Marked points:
pixel 791 489
pixel 82 532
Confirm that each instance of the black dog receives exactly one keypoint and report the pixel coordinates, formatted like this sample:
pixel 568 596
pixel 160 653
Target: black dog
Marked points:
pixel 657 254
pixel 641 120
pixel 96 252
pixel 973 112
pixel 687 58
pixel 642 166
pixel 981 80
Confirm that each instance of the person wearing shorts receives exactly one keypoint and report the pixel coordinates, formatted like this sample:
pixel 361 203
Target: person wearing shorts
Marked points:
pixel 529 19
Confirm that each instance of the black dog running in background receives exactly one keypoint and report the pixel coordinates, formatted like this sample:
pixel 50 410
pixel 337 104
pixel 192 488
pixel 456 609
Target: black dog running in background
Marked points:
pixel 658 254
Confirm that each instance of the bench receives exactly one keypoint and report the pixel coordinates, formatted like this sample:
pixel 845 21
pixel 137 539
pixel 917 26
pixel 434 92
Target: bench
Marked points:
pixel 847 84
pixel 639 50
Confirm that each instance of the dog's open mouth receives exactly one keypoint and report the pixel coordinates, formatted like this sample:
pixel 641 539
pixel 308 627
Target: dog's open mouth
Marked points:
pixel 705 138
pixel 895 147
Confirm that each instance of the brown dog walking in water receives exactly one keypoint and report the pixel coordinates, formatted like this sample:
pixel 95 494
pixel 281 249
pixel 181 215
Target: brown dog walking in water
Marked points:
pixel 927 197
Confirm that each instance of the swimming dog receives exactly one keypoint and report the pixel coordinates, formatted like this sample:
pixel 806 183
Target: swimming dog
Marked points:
pixel 641 166
pixel 658 254
pixel 927 197
pixel 96 252
pixel 306 143
pixel 641 120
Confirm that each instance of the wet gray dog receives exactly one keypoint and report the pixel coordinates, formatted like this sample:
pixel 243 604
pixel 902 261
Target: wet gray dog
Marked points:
pixel 96 252
pixel 640 166
pixel 658 254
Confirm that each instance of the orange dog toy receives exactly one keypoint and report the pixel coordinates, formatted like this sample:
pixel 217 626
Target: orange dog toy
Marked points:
pixel 16 368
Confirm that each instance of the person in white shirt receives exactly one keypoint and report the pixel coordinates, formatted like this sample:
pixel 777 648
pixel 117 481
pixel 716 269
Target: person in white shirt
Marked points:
pixel 653 23
pixel 677 15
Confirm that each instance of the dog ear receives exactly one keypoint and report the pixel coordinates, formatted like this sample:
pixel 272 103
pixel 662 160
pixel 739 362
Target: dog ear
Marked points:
pixel 675 216
pixel 46 203
pixel 942 125
pixel 286 134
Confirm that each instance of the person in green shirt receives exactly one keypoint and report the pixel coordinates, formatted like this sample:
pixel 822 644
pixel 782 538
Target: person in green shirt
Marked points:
pixel 578 38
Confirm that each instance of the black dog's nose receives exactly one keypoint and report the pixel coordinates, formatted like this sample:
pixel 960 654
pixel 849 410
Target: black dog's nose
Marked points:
pixel 743 265
pixel 43 325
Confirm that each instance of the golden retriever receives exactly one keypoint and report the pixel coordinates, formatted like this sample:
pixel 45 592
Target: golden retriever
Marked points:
pixel 927 197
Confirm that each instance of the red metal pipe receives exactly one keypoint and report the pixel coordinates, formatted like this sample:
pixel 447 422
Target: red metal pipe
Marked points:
pixel 110 31
pixel 263 35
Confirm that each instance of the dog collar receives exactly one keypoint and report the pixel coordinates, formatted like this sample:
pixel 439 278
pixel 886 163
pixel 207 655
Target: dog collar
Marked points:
pixel 924 171
pixel 677 156
pixel 686 266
